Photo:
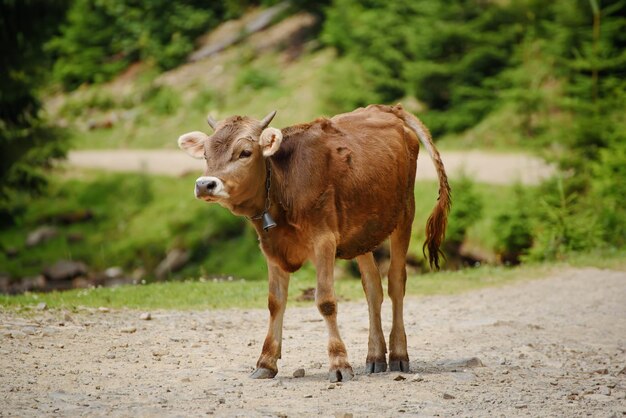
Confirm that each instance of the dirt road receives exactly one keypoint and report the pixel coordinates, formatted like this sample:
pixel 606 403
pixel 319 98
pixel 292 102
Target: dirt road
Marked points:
pixel 550 347
pixel 483 167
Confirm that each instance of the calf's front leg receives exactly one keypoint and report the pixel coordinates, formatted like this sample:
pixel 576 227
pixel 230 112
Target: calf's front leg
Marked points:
pixel 266 367
pixel 340 369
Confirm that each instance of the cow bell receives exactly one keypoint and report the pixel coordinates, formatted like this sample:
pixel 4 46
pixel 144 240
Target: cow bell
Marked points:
pixel 268 221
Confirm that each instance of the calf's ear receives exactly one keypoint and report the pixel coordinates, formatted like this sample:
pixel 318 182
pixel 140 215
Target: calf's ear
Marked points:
pixel 270 141
pixel 193 143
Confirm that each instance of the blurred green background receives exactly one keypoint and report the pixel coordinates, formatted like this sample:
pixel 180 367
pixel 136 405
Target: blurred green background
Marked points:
pixel 517 76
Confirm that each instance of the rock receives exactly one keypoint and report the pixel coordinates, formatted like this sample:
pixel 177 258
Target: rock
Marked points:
pixel 399 378
pixel 110 356
pixel 5 282
pixel 29 330
pixel 41 306
pixel 316 365
pixel 461 364
pixel 344 415
pixel 65 270
pixel 331 386
pixel 623 371
pixel 128 330
pixel 146 316
pixel 104 309
pixel 41 235
pixel 11 252
pixel 298 373
pixel 308 396
pixel 114 272
pixel 30 283
pixel 417 378
pixel 602 371
pixel 605 391
pixel 173 261
pixel 521 406
pixel 448 396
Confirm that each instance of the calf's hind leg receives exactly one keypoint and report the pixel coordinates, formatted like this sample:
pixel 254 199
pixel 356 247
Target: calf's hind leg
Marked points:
pixel 399 243
pixel 376 361
pixel 325 249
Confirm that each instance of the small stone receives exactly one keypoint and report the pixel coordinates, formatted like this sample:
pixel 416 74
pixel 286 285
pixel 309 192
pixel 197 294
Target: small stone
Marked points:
pixel 623 371
pixel 42 306
pixel 417 378
pixel 185 380
pixel 67 317
pixel 110 356
pixel 299 373
pixel 146 316
pixel 344 415
pixel 399 378
pixel 605 391
pixel 521 406
pixel 448 396
pixel 331 386
pixel 316 365
pixel 602 371
pixel 104 309
pixel 128 330
pixel 222 401
pixel 29 330
pixel 308 396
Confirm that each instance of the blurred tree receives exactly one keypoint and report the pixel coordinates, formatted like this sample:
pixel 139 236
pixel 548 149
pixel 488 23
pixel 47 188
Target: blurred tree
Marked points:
pixel 444 53
pixel 27 143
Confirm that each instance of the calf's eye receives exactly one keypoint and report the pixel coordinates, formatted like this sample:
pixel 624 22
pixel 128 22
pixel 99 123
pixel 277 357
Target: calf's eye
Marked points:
pixel 245 154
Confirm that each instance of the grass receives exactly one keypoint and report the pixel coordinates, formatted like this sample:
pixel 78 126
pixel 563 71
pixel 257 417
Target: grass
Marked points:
pixel 203 294
pixel 154 113
pixel 137 219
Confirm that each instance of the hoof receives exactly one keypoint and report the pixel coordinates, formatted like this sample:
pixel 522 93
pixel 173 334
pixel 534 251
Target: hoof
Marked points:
pixel 341 375
pixel 376 367
pixel 399 366
pixel 263 373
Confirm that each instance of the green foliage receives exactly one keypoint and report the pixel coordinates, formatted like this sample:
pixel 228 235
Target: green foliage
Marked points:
pixel 467 209
pixel 444 53
pixel 28 145
pixel 162 100
pixel 513 229
pixel 565 223
pixel 102 37
pixel 256 79
pixel 136 220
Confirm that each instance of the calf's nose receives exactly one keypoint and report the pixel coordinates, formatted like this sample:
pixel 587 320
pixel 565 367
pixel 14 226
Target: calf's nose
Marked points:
pixel 206 186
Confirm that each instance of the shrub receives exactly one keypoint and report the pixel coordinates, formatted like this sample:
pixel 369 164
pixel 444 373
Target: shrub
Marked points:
pixel 512 228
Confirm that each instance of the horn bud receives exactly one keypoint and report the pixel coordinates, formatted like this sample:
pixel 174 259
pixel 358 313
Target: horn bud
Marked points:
pixel 267 119
pixel 212 122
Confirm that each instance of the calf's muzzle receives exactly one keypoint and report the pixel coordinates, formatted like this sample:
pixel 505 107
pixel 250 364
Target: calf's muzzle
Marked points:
pixel 209 186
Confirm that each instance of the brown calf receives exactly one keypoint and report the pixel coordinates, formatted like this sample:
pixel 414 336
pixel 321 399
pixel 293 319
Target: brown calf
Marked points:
pixel 334 187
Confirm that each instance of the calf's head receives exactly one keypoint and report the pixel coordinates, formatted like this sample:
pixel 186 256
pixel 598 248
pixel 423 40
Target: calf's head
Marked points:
pixel 234 154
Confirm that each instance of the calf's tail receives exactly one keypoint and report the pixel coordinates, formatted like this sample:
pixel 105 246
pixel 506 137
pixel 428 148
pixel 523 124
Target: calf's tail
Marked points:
pixel 438 219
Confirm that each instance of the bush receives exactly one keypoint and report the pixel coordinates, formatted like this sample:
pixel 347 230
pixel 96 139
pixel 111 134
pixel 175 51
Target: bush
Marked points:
pixel 102 37
pixel 256 79
pixel 512 228
pixel 162 100
pixel 467 209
